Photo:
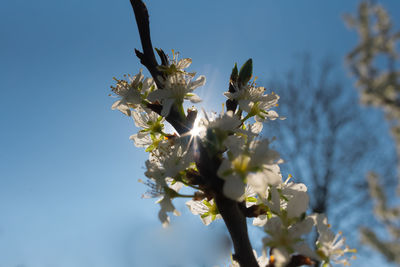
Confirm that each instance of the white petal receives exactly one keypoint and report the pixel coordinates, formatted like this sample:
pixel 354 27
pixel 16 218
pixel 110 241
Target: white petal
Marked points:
pixel 297 205
pixel 166 206
pixel 184 63
pixel 273 174
pixel 305 250
pixel 256 127
pixel 194 98
pixel 245 104
pixel 147 84
pixel 272 115
pixel 141 139
pixel 116 104
pixel 225 166
pixel 275 203
pixel 234 188
pixel 139 119
pixel 258 182
pixel 159 94
pixel 200 81
pixel 300 228
pixel 260 220
pixel 121 106
pixel 167 104
pixel 281 256
pixel 196 207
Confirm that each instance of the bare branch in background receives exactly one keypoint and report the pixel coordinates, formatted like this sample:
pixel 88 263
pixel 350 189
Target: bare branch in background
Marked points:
pixel 329 142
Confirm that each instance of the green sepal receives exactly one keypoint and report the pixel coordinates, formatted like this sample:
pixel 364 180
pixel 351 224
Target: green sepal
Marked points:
pixel 151 148
pixel 204 215
pixel 269 214
pixel 251 199
pixel 171 192
pixel 245 72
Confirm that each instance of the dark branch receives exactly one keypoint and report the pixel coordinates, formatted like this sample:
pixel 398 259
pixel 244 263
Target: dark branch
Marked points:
pixel 252 211
pixel 236 223
pixel 230 210
pixel 147 58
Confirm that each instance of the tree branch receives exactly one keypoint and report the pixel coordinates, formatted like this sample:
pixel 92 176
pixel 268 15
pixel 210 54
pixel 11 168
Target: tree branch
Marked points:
pixel 236 223
pixel 234 219
pixel 148 59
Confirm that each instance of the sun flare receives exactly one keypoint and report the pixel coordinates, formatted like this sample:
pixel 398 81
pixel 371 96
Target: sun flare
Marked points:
pixel 196 127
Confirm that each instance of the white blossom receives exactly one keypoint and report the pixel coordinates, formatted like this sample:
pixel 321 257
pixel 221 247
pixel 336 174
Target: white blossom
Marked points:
pixel 286 238
pixel 247 165
pixel 253 100
pixel 292 198
pixel 330 247
pixel 151 125
pixel 207 210
pixel 176 88
pixel 177 85
pixel 248 162
pixel 165 164
pixel 130 92
pixel 226 121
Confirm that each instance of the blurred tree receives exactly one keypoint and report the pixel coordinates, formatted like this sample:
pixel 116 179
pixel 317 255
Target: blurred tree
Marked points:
pixel 375 64
pixel 329 143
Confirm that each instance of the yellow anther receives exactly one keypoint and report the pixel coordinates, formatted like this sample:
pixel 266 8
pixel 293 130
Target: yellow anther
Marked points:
pixel 241 163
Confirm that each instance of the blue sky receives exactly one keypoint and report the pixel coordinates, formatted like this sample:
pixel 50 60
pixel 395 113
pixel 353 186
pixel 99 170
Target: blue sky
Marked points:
pixel 69 194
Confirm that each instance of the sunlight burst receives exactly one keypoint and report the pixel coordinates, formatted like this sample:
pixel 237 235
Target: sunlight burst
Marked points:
pixel 196 127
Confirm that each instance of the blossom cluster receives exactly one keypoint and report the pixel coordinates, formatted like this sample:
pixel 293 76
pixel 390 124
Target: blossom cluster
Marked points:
pixel 245 165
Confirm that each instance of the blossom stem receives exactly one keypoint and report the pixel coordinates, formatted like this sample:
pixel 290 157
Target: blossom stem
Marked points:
pixel 247 117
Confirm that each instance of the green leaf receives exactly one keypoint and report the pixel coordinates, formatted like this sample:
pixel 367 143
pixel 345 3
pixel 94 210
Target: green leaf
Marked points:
pixel 245 72
pixel 234 74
